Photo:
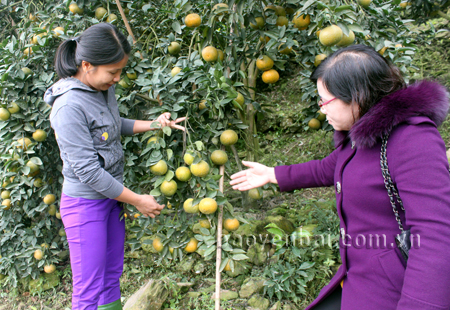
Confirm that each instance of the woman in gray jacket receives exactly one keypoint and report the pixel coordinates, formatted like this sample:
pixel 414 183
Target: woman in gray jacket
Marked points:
pixel 87 125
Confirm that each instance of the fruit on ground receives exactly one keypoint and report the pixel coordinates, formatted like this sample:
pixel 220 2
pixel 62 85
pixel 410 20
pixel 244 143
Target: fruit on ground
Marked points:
pixel 210 54
pixel 174 48
pixel 240 99
pixel 364 3
pixel 23 143
pixel 49 199
pixel 191 246
pixel 192 20
pixel 39 135
pixel 264 63
pixel 160 168
pixel 318 59
pixel 220 6
pixel 6 204
pixel 254 193
pixel 52 210
pixel 301 21
pixel 157 245
pixel 270 76
pixel 330 35
pixel 347 40
pixel 75 9
pixel 282 21
pixel 38 254
pixel 183 174
pixel 231 224
pixel 219 157
pixel 188 159
pixel 100 13
pixel 205 224
pixel 259 23
pixel 49 268
pixel 14 107
pixel 188 207
pixel 207 206
pixel 175 71
pixel 6 194
pixel 228 137
pixel 200 169
pixel 314 123
pixel 168 188
pixel 202 105
pixel 4 114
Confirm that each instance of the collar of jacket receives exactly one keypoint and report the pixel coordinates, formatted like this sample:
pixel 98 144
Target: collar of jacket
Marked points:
pixel 423 98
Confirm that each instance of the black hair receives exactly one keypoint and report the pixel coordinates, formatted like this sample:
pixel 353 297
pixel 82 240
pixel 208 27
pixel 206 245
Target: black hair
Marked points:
pixel 359 74
pixel 100 44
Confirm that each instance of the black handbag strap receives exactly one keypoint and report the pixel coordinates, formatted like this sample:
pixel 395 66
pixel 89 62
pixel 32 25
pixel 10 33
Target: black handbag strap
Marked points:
pixel 388 183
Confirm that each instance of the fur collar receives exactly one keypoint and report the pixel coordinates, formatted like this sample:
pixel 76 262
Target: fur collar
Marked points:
pixel 423 98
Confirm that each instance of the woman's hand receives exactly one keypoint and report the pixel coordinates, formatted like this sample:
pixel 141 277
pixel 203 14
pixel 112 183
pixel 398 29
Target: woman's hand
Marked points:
pixel 258 175
pixel 164 120
pixel 148 206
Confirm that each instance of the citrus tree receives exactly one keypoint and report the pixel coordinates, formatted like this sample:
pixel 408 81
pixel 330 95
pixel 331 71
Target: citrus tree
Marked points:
pixel 200 59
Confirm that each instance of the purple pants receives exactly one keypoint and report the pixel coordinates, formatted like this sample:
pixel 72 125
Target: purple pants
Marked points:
pixel 96 239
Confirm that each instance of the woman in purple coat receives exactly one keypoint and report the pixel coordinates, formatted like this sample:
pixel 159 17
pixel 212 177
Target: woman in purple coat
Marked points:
pixel 365 98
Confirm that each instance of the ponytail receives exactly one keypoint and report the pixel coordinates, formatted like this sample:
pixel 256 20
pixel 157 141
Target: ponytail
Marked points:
pixel 65 61
pixel 100 44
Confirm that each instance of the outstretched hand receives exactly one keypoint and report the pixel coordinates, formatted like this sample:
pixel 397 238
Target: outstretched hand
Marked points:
pixel 164 120
pixel 258 175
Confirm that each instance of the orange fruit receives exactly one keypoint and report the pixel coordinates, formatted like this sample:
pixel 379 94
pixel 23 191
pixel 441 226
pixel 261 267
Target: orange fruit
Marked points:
pixel 330 35
pixel 169 188
pixel 205 224
pixel 282 21
pixel 228 137
pixel 381 52
pixel 202 105
pixel 188 207
pixel 347 40
pixel 191 246
pixel 227 266
pixel 188 159
pixel 75 9
pixel 280 11
pixel 364 3
pixel 231 224
pixel 38 254
pixel 183 174
pixel 49 199
pixel 157 244
pixel 314 123
pixel 254 194
pixel 210 54
pixel 175 71
pixel 318 59
pixel 7 204
pixel 264 63
pixel 240 99
pixel 286 50
pixel 200 169
pixel 207 206
pixel 220 6
pixel 4 114
pixel 174 48
pixel 39 135
pixel 100 13
pixel 192 20
pixel 221 55
pixel 52 210
pixel 49 268
pixel 301 21
pixel 219 157
pixel 259 23
pixel 160 168
pixel 270 76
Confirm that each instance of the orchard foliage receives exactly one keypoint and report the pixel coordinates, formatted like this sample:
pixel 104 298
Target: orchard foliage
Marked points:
pixel 169 70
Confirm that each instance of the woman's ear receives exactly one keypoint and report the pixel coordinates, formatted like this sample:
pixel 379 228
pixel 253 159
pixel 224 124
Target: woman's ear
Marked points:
pixel 86 66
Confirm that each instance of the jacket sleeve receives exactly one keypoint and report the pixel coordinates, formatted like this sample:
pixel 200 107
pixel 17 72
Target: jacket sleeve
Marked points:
pixel 75 140
pixel 314 173
pixel 420 171
pixel 127 126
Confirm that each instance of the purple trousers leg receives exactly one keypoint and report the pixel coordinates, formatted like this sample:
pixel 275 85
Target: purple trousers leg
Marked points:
pixel 96 239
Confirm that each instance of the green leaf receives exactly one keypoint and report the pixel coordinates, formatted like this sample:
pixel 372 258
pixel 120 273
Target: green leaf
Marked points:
pixel 240 257
pixel 169 175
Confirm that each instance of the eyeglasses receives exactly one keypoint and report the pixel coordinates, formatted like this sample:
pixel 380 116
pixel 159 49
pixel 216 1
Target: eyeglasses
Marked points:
pixel 321 103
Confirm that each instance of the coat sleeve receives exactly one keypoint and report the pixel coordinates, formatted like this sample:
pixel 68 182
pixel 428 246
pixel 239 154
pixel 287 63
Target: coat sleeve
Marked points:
pixel 314 173
pixel 127 126
pixel 420 171
pixel 74 139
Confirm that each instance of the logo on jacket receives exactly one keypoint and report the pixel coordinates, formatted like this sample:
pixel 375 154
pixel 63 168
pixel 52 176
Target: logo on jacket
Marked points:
pixel 105 136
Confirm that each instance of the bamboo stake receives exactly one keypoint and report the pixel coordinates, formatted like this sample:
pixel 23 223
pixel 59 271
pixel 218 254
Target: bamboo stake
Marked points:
pixel 219 240
pixel 125 20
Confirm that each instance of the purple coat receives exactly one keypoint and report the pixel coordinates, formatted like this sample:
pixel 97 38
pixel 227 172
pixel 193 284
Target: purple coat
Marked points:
pixel 375 275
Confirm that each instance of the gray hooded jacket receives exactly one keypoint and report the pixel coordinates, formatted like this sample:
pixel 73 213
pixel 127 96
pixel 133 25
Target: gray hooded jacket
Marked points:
pixel 88 127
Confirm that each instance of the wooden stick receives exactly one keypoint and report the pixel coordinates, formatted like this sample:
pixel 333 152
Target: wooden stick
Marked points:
pixel 147 98
pixel 219 240
pixel 125 20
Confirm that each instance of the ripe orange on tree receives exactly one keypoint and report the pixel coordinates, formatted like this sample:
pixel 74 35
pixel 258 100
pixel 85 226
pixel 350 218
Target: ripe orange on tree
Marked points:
pixel 169 188
pixel 314 123
pixel 174 48
pixel 301 21
pixel 157 244
pixel 49 268
pixel 318 59
pixel 210 54
pixel 192 20
pixel 331 35
pixel 219 157
pixel 259 23
pixel 207 206
pixel 183 174
pixel 200 169
pixel 264 63
pixel 188 207
pixel 270 76
pixel 38 254
pixel 231 224
pixel 160 168
pixel 228 137
pixel 191 246
pixel 49 199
